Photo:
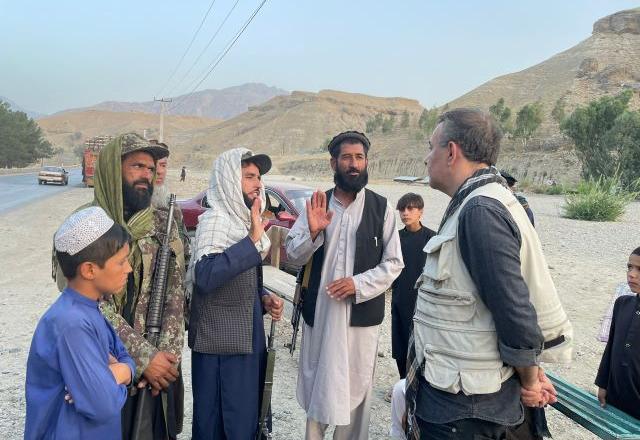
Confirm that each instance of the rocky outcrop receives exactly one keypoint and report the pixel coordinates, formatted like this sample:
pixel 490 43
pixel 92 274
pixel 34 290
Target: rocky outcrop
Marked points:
pixel 623 22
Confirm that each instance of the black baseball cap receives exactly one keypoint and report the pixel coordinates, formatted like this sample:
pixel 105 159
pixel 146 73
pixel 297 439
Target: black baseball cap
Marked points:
pixel 508 177
pixel 262 161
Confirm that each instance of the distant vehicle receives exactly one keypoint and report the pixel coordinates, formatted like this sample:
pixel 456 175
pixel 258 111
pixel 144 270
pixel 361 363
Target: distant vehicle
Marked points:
pixel 92 147
pixel 285 202
pixel 412 180
pixel 53 175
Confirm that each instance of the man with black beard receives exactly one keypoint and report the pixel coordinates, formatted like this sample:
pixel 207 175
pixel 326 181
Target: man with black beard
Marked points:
pixel 123 188
pixel 349 242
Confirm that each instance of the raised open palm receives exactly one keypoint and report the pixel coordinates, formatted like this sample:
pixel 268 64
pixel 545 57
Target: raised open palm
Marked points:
pixel 317 215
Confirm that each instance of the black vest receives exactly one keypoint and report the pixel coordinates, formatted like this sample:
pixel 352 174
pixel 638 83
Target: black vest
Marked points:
pixel 369 248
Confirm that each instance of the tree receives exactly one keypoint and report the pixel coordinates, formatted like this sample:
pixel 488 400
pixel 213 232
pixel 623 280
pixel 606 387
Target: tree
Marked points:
pixel 21 140
pixel 428 120
pixel 404 122
pixel 528 121
pixel 387 124
pixel 605 135
pixel 502 113
pixel 558 112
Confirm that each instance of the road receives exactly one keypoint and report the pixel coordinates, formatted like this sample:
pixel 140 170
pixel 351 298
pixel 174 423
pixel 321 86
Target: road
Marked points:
pixel 18 190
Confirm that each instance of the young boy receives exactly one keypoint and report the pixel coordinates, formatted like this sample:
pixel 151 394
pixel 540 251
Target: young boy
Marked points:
pixel 413 238
pixel 78 369
pixel 618 378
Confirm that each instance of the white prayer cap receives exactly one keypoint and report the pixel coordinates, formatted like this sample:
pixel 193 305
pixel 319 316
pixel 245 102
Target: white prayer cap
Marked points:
pixel 81 229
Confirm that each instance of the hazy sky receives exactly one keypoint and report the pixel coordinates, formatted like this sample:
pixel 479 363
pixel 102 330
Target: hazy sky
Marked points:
pixel 60 54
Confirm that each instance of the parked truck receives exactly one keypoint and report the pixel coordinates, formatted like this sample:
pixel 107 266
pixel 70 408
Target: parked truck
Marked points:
pixel 92 147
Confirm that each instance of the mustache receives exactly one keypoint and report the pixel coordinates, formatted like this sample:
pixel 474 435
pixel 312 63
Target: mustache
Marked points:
pixel 145 181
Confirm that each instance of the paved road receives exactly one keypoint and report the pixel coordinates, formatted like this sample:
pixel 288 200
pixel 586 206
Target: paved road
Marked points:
pixel 21 189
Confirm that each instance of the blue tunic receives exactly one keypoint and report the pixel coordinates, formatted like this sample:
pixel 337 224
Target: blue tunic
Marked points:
pixel 70 349
pixel 227 388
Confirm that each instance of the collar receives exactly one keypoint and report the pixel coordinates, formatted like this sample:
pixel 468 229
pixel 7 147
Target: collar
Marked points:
pixel 76 296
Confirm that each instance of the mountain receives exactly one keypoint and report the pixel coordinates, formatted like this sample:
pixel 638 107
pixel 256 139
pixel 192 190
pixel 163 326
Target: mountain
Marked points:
pixel 217 104
pixel 70 129
pixel 603 64
pixel 17 108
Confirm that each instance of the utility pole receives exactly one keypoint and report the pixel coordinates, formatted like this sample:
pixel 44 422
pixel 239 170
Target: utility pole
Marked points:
pixel 162 102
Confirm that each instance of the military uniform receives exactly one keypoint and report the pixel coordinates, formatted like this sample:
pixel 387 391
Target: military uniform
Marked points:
pixel 127 313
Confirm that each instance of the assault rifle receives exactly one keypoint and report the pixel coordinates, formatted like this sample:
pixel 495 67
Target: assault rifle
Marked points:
pixel 263 426
pixel 142 429
pixel 302 284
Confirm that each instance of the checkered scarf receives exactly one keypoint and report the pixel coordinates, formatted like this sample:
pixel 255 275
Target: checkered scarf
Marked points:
pixel 228 219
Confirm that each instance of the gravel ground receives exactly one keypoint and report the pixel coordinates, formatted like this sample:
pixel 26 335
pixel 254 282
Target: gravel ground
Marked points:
pixel 587 260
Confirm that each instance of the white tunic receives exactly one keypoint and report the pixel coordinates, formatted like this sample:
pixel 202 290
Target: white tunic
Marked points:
pixel 336 360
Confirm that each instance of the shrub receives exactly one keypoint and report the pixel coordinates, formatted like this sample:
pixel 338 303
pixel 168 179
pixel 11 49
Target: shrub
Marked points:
pixel 602 200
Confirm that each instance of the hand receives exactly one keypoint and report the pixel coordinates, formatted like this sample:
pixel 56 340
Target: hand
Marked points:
pixel 144 383
pixel 273 305
pixel 121 372
pixel 161 370
pixel 602 397
pixel 342 288
pixel 257 224
pixel 547 387
pixel 112 359
pixel 317 215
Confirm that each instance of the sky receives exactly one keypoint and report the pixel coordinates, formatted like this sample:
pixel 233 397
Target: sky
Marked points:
pixel 73 53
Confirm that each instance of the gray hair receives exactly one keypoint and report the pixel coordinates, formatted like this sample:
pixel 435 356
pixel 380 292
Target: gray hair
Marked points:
pixel 476 131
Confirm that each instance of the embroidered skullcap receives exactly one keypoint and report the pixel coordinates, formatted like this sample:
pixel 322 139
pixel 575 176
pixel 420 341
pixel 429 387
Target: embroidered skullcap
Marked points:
pixel 81 229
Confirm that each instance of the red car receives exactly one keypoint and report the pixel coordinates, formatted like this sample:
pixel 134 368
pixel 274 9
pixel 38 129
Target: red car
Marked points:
pixel 285 200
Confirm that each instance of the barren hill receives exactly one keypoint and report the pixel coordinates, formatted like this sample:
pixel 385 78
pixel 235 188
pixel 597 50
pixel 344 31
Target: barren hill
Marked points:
pixel 218 104
pixel 72 128
pixel 603 64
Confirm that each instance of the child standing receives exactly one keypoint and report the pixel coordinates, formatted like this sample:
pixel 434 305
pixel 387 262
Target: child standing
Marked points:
pixel 618 378
pixel 77 368
pixel 413 238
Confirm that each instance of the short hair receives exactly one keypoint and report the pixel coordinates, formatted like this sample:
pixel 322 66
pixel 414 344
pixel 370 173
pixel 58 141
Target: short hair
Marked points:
pixel 97 252
pixel 636 251
pixel 410 200
pixel 476 131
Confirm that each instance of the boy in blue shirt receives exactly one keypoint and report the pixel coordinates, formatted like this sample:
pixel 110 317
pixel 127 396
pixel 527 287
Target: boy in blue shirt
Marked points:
pixel 78 369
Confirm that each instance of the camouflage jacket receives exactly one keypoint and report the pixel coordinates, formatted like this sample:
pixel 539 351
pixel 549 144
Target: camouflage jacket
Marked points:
pixel 172 333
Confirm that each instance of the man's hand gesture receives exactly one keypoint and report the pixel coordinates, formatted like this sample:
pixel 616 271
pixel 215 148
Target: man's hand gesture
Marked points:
pixel 317 215
pixel 257 224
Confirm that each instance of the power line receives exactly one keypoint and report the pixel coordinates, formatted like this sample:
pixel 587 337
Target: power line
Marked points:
pixel 222 55
pixel 205 49
pixel 187 50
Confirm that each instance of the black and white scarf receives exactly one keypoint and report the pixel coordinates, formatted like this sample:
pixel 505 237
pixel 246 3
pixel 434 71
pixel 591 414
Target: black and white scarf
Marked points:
pixel 480 178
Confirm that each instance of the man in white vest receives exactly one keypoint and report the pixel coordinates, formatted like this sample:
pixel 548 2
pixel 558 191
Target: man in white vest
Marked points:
pixel 486 307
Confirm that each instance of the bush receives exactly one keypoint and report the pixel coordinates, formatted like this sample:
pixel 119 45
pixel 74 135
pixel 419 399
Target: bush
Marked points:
pixel 550 190
pixel 601 200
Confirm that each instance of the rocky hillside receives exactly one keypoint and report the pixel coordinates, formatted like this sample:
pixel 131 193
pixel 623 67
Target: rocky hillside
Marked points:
pixel 604 64
pixel 217 104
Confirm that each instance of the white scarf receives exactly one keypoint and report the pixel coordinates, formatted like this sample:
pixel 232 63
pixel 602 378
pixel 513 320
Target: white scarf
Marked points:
pixel 228 220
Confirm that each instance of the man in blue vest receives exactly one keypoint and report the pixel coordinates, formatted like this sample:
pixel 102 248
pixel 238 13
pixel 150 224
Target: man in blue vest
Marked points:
pixel 349 237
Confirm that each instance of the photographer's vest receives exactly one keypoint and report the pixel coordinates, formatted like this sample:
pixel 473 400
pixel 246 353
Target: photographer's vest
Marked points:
pixel 454 331
pixel 369 249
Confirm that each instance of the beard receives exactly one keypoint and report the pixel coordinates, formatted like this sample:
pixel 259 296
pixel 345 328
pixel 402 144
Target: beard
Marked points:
pixel 352 184
pixel 136 199
pixel 160 196
pixel 247 201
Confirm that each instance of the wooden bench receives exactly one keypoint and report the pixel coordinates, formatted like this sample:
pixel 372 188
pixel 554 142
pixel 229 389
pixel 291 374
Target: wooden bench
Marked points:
pixel 274 279
pixel 584 409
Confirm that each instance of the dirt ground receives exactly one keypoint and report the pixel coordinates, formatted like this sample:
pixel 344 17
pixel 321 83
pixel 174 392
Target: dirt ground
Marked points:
pixel 587 261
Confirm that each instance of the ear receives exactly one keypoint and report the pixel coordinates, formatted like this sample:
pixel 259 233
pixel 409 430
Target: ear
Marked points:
pixel 453 153
pixel 87 270
pixel 333 163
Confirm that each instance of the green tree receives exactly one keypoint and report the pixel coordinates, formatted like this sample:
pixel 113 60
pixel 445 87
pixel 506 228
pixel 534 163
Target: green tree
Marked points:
pixel 21 139
pixel 558 112
pixel 428 120
pixel 528 121
pixel 387 124
pixel 502 113
pixel 606 137
pixel 404 122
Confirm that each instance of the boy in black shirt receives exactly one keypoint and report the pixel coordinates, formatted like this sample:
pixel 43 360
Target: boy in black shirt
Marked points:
pixel 413 238
pixel 618 378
